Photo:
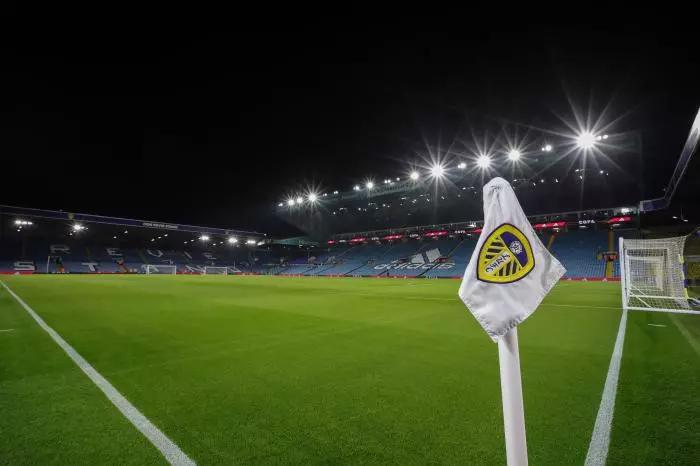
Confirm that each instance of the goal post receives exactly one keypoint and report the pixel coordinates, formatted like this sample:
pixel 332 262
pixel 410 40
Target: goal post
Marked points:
pixel 652 275
pixel 160 269
pixel 215 270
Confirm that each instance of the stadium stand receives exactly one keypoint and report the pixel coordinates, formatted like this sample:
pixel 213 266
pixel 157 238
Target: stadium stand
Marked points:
pixel 581 252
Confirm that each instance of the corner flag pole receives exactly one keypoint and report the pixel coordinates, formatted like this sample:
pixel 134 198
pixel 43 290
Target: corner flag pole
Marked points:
pixel 512 394
pixel 506 252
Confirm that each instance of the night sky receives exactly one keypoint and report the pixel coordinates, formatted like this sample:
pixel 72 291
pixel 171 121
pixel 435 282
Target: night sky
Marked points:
pixel 216 128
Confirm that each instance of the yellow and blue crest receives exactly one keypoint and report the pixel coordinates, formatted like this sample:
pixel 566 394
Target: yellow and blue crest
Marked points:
pixel 505 257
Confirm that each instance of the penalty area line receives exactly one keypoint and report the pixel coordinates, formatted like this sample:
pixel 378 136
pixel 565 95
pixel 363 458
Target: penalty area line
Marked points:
pixel 165 446
pixel 600 440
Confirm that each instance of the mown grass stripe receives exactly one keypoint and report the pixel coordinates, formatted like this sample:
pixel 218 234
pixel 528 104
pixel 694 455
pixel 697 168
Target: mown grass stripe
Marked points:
pixel 163 444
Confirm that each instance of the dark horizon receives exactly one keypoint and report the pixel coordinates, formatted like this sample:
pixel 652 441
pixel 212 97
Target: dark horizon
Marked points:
pixel 216 131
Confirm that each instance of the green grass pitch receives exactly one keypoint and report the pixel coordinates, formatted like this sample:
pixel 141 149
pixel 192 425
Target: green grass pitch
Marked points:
pixel 277 370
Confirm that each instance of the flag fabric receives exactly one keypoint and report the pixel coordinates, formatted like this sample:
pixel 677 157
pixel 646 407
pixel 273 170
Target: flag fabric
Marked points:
pixel 510 271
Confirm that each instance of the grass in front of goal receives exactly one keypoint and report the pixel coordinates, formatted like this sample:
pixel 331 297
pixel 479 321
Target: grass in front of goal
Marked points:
pixel 260 370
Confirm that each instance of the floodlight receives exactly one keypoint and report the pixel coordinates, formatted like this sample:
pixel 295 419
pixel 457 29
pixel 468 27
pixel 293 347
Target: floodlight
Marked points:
pixel 356 187
pixel 204 238
pixel 18 222
pixel 585 140
pixel 232 240
pixel 369 185
pixel 78 227
pixel 436 171
pixel 462 165
pixel 300 200
pixel 514 155
pixel 313 197
pixel 290 202
pixel 335 192
pixel 605 136
pixel 547 148
pixel 250 241
pixel 414 175
pixel 483 161
pixel 281 204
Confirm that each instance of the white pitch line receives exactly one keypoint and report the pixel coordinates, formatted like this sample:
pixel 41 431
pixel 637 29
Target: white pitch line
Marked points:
pixel 656 325
pixel 7 330
pixel 165 446
pixel 600 440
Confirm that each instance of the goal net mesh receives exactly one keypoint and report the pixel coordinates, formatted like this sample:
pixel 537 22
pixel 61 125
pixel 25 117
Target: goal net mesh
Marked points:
pixel 160 269
pixel 210 270
pixel 652 274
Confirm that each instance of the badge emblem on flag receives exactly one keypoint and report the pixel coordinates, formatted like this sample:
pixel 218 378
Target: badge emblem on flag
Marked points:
pixel 505 257
pixel 510 270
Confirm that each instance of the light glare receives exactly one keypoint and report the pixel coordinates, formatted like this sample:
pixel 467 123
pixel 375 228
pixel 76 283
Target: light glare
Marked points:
pixel 586 140
pixel 436 171
pixel 483 161
pixel 514 155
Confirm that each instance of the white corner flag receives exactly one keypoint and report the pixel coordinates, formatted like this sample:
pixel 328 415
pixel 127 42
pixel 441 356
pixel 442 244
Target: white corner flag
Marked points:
pixel 509 274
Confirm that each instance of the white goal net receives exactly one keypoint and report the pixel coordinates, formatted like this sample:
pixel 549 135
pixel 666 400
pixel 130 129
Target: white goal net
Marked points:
pixel 160 269
pixel 211 270
pixel 652 276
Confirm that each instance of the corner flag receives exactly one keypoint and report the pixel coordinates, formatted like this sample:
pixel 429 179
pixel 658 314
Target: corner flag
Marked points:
pixel 509 274
pixel 510 271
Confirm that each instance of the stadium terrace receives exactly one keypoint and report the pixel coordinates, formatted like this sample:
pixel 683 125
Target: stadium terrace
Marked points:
pixel 59 242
